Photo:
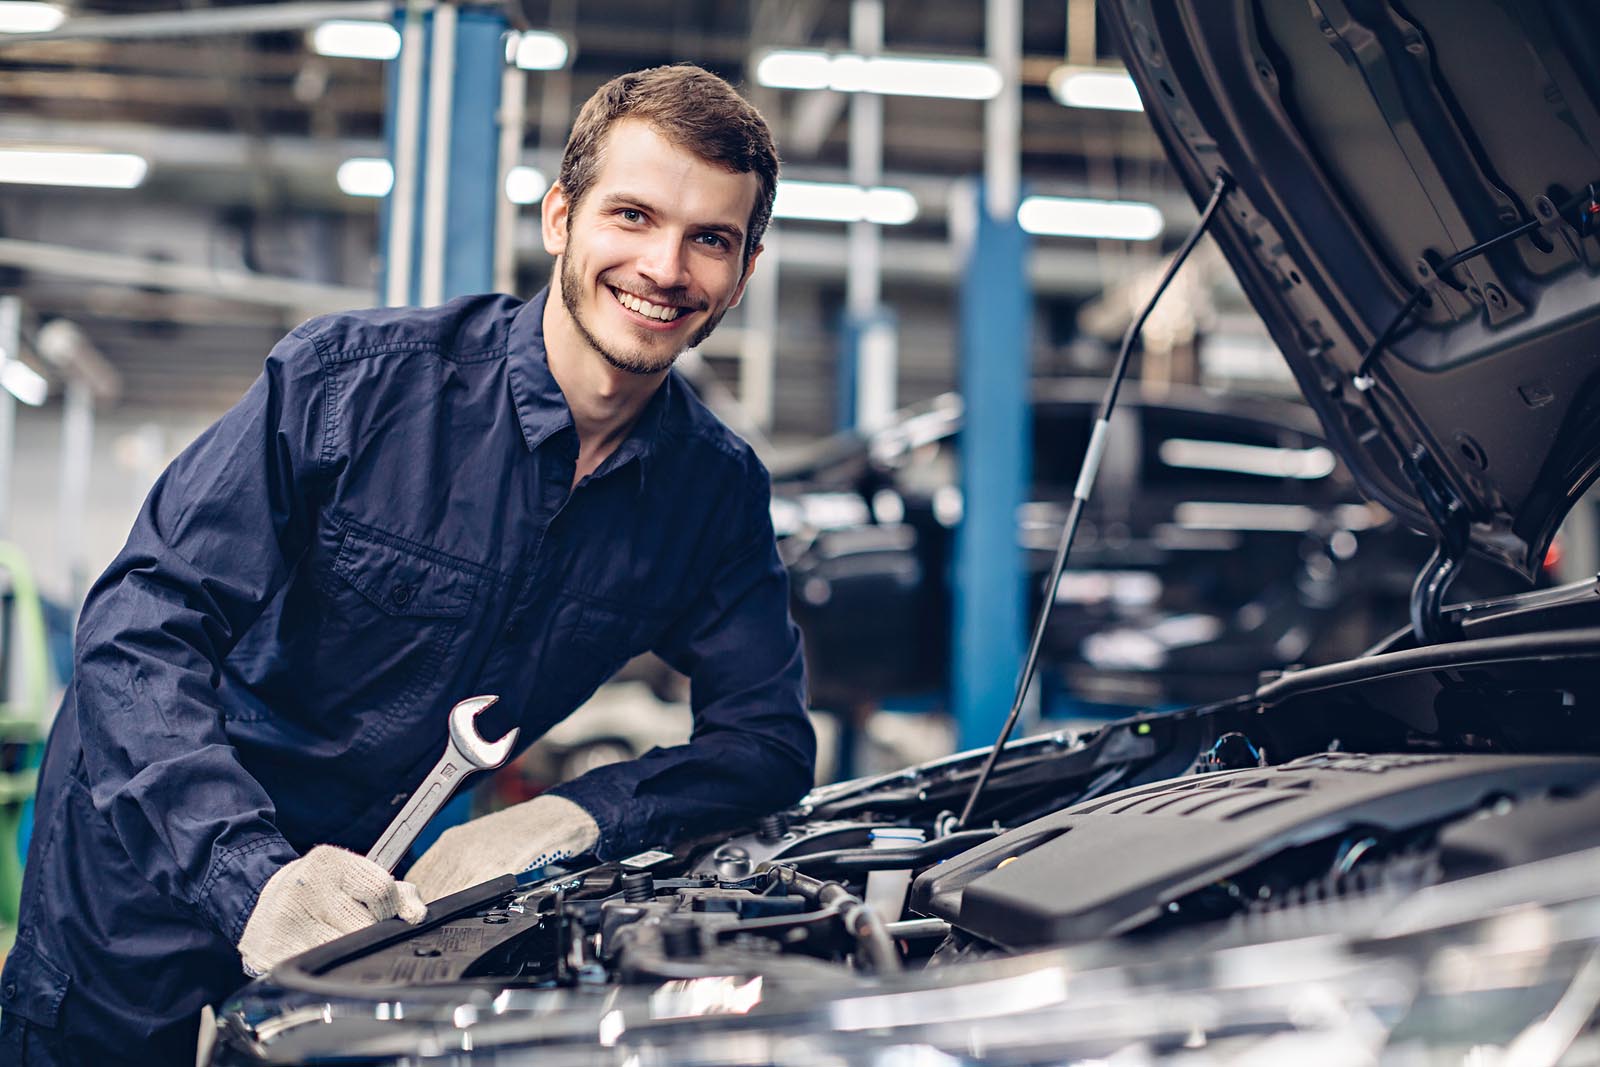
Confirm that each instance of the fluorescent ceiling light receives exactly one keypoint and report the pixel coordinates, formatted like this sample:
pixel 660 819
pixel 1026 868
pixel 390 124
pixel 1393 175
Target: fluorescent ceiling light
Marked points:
pixel 17 16
pixel 1304 463
pixel 366 177
pixel 22 381
pixel 86 169
pixel 1217 515
pixel 348 39
pixel 1117 220
pixel 830 202
pixel 1094 87
pixel 959 79
pixel 537 50
pixel 525 185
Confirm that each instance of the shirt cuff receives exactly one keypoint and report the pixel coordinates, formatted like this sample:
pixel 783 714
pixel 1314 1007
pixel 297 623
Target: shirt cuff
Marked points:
pixel 233 883
pixel 609 816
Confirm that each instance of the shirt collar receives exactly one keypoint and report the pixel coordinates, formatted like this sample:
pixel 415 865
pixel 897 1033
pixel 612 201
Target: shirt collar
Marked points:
pixel 541 407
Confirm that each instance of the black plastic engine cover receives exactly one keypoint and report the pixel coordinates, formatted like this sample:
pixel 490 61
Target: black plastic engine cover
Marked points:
pixel 1111 864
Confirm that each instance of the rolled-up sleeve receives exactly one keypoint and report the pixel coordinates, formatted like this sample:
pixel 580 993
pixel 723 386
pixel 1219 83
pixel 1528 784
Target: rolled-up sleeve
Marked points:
pixel 217 537
pixel 752 750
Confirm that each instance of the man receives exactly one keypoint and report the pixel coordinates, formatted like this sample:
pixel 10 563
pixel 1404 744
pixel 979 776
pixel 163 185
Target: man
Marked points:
pixel 409 507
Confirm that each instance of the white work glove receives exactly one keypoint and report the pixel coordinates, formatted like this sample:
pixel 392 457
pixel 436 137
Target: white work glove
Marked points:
pixel 531 834
pixel 324 894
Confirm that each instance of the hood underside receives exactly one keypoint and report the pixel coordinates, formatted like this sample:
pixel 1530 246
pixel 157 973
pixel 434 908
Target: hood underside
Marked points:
pixel 1369 144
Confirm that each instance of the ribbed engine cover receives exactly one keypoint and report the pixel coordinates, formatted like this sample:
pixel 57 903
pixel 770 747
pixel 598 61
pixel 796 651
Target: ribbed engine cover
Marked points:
pixel 1113 863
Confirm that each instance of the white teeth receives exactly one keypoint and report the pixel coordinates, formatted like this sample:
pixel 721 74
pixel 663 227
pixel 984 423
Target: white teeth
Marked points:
pixel 644 307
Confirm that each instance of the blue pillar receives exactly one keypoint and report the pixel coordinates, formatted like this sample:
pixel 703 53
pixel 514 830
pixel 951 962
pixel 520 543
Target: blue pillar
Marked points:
pixel 857 335
pixel 988 581
pixel 472 144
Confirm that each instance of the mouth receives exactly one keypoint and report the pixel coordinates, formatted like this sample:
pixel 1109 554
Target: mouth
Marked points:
pixel 654 315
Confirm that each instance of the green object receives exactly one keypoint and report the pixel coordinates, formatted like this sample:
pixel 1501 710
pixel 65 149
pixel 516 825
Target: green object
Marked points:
pixel 24 720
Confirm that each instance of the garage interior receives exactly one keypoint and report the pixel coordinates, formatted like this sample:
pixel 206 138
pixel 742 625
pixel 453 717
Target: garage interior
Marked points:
pixel 953 262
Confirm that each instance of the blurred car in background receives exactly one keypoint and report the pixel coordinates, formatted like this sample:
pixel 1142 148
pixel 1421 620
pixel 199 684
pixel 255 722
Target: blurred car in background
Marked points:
pixel 1224 538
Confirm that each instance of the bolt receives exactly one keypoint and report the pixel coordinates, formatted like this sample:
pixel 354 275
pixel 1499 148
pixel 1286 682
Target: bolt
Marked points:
pixel 773 827
pixel 638 887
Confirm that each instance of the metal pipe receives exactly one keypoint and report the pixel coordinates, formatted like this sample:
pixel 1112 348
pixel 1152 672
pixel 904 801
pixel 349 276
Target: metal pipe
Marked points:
pixel 758 339
pixel 300 298
pixel 916 929
pixel 203 22
pixel 436 192
pixel 1002 126
pixel 10 349
pixel 513 116
pixel 874 351
pixel 403 195
pixel 77 444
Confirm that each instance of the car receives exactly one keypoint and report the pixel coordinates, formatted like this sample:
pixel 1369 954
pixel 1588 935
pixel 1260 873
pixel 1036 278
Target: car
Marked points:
pixel 1388 858
pixel 1224 540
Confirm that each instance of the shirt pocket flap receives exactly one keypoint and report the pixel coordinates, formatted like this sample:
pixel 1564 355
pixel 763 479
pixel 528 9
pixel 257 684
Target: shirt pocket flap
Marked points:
pixel 400 581
pixel 33 987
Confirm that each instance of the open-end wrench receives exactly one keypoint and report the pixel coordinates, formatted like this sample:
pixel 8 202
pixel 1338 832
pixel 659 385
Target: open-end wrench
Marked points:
pixel 465 753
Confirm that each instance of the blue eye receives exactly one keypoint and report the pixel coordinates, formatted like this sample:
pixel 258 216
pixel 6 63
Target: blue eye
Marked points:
pixel 711 240
pixel 632 214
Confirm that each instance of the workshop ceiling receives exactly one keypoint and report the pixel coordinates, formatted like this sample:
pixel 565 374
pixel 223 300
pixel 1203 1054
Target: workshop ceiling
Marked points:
pixel 245 132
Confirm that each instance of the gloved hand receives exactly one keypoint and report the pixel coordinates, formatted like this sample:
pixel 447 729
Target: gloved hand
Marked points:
pixel 531 834
pixel 324 894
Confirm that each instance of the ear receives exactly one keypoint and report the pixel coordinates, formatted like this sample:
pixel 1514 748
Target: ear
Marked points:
pixel 749 269
pixel 553 219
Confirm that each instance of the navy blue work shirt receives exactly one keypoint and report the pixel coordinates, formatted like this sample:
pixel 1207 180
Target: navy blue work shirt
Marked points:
pixel 384 525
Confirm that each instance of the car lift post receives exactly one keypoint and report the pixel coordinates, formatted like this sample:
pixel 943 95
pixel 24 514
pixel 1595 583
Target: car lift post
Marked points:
pixel 988 584
pixel 444 143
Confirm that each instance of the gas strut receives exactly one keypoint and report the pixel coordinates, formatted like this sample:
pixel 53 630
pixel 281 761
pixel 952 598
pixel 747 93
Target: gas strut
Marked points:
pixel 1080 494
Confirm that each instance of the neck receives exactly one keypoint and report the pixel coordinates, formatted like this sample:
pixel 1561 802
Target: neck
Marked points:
pixel 605 401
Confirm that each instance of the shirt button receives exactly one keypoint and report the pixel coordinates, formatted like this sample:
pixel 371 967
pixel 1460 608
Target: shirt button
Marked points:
pixel 10 990
pixel 401 594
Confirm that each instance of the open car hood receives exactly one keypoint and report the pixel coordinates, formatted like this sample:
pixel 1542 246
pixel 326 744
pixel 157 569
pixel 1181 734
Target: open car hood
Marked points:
pixel 1368 143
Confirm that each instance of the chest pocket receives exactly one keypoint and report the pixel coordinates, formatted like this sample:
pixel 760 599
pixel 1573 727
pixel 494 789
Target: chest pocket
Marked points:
pixel 400 582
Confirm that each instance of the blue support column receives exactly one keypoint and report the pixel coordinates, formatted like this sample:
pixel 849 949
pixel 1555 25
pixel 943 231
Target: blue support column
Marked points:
pixel 867 358
pixel 471 144
pixel 996 469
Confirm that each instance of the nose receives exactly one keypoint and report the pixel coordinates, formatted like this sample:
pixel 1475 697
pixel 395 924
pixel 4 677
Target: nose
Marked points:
pixel 662 262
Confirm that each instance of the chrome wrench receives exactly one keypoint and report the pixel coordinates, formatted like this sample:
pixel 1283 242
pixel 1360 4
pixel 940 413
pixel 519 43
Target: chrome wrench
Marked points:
pixel 464 753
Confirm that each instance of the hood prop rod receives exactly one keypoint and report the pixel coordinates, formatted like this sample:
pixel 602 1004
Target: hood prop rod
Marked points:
pixel 1428 624
pixel 1080 494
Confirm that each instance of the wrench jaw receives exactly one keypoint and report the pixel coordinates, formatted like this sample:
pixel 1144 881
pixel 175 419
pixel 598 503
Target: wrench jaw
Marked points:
pixel 483 755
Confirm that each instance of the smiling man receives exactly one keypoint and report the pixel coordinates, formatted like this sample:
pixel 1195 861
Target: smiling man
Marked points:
pixel 409 507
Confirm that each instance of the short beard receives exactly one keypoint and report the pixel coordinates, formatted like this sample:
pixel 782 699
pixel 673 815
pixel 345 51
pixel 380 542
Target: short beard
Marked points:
pixel 629 363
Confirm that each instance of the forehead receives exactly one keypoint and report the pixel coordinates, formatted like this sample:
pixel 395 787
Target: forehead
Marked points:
pixel 638 161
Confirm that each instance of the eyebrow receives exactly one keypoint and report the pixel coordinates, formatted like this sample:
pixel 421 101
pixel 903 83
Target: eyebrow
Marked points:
pixel 733 233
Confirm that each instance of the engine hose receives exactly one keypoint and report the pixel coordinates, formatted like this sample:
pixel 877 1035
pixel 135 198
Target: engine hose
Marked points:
pixel 866 860
pixel 872 938
pixel 873 942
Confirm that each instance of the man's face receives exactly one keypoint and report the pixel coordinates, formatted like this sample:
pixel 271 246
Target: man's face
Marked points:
pixel 653 256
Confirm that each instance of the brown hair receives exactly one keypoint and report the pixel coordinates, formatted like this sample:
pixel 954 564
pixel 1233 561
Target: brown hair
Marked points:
pixel 692 108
